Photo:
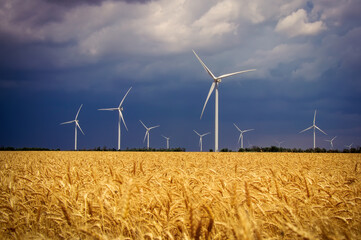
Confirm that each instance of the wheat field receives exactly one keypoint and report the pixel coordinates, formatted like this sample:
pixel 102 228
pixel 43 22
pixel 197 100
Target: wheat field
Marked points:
pixel 139 195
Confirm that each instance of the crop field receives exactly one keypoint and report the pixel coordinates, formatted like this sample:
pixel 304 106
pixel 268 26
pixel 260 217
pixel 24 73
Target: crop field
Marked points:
pixel 139 195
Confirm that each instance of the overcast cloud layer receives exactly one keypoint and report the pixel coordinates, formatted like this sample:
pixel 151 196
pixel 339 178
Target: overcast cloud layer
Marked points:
pixel 307 53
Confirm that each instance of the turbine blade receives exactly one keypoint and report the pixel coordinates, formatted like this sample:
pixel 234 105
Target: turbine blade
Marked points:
pixel 209 94
pixel 240 135
pixel 248 130
pixel 108 109
pixel 306 129
pixel 124 97
pixel 237 127
pixel 145 136
pixel 77 124
pixel 196 132
pixel 320 130
pixel 143 124
pixel 204 66
pixel 154 127
pixel 121 117
pixel 76 117
pixel 206 134
pixel 231 74
pixel 314 118
pixel 334 138
pixel 67 122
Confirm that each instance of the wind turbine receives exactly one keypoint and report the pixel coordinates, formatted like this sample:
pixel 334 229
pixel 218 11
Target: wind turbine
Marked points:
pixel 216 81
pixel 349 146
pixel 147 133
pixel 241 134
pixel 200 139
pixel 167 138
pixel 279 143
pixel 76 121
pixel 314 130
pixel 331 141
pixel 120 109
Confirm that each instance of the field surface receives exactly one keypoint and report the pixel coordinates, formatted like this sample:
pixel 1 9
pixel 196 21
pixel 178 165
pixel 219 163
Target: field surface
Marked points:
pixel 134 195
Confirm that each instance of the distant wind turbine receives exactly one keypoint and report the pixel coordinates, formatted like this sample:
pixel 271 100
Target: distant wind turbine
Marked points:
pixel 216 81
pixel 200 138
pixel 241 134
pixel 147 132
pixel 249 144
pixel 121 118
pixel 349 146
pixel 167 138
pixel 279 143
pixel 331 141
pixel 314 130
pixel 76 121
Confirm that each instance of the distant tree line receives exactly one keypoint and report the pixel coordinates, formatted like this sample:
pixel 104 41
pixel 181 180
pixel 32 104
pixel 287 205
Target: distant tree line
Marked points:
pixel 137 149
pixel 252 149
pixel 298 150
pixel 2 148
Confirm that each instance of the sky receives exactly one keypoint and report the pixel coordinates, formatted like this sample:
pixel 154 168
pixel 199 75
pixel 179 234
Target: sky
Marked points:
pixel 58 54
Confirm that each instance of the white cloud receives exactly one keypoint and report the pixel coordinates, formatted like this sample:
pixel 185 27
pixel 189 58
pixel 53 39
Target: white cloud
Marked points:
pixel 297 24
pixel 311 70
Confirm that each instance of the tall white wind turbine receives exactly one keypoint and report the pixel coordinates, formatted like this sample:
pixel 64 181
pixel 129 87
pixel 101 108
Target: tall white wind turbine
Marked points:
pixel 147 132
pixel 331 141
pixel 241 134
pixel 121 118
pixel 76 121
pixel 200 139
pixel 167 138
pixel 314 130
pixel 216 81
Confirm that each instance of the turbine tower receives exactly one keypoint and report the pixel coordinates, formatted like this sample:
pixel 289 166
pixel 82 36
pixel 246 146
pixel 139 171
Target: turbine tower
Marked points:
pixel 121 118
pixel 167 138
pixel 147 132
pixel 331 141
pixel 216 81
pixel 241 134
pixel 314 130
pixel 200 139
pixel 76 121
